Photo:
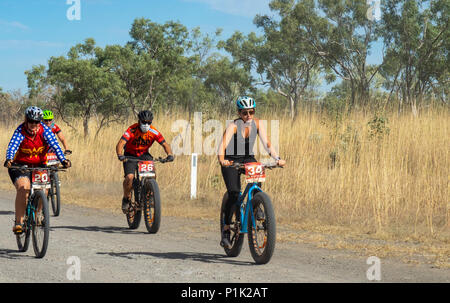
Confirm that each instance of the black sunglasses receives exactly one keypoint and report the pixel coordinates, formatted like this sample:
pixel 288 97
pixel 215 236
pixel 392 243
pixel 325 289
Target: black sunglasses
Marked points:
pixel 33 121
pixel 248 112
pixel 146 122
pixel 48 120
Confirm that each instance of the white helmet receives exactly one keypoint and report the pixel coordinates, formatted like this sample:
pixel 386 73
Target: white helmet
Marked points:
pixel 33 113
pixel 245 102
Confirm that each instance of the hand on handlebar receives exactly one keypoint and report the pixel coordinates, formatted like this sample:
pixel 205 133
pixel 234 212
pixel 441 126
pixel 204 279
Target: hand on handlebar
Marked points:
pixel 8 163
pixel 226 163
pixel 66 163
pixel 281 162
pixel 169 158
pixel 67 152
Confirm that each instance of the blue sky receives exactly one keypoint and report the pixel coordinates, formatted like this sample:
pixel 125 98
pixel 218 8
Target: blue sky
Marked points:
pixel 31 31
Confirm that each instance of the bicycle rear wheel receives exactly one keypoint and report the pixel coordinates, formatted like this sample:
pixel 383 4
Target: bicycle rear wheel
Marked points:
pixel 23 240
pixel 261 239
pixel 151 202
pixel 54 194
pixel 236 238
pixel 134 213
pixel 40 224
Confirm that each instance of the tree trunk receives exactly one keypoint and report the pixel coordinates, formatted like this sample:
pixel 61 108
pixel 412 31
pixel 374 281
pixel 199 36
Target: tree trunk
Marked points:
pixel 87 116
pixel 86 127
pixel 293 108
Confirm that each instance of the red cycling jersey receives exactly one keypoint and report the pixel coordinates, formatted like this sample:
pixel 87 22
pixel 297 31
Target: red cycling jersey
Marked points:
pixel 32 150
pixel 138 142
pixel 55 128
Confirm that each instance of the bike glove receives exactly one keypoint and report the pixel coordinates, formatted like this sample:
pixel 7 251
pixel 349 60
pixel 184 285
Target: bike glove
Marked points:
pixel 169 158
pixel 121 157
pixel 66 163
pixel 7 163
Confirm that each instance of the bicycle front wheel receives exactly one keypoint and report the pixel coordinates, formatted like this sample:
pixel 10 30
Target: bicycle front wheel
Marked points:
pixel 134 213
pixel 151 201
pixel 236 238
pixel 23 239
pixel 40 224
pixel 262 236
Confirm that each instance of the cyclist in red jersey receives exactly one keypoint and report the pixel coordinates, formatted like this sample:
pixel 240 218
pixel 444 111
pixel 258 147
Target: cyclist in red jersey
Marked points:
pixel 28 146
pixel 136 142
pixel 48 120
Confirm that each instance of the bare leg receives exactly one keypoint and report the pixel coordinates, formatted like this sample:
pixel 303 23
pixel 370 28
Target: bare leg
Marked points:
pixel 128 186
pixel 23 190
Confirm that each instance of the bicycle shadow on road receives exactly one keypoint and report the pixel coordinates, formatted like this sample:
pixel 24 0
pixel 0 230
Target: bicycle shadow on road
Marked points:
pixel 200 257
pixel 6 212
pixel 105 229
pixel 13 254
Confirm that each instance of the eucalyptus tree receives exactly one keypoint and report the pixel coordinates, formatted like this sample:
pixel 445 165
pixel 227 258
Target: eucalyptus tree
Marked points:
pixel 416 36
pixel 85 88
pixel 340 32
pixel 281 57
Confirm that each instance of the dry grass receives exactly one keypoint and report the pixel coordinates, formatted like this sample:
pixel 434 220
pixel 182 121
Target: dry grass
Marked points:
pixel 395 187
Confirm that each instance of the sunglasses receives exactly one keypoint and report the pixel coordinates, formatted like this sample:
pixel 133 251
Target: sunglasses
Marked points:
pixel 48 120
pixel 33 122
pixel 247 112
pixel 146 122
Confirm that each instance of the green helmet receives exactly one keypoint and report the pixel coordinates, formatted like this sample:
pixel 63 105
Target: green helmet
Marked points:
pixel 47 115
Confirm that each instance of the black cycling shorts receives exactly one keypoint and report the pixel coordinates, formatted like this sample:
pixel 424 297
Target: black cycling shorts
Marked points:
pixel 15 174
pixel 232 179
pixel 129 167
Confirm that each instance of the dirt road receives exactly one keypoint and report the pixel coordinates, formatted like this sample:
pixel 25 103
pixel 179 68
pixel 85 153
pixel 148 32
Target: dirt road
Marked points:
pixel 88 245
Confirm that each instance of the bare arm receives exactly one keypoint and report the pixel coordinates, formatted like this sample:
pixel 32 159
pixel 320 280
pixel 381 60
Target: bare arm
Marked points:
pixel 119 147
pixel 63 140
pixel 228 134
pixel 167 148
pixel 267 145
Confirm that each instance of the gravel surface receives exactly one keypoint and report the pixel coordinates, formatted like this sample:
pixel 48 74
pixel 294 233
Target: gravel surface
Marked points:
pixel 183 250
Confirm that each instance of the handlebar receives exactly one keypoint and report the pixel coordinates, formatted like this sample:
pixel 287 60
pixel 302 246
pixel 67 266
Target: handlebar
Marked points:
pixel 238 165
pixel 135 159
pixel 26 168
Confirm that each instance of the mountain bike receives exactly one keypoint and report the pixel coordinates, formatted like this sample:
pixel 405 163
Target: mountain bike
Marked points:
pixel 37 218
pixel 54 195
pixel 145 195
pixel 254 216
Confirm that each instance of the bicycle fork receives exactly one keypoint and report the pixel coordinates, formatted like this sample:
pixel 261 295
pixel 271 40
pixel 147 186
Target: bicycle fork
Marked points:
pixel 247 208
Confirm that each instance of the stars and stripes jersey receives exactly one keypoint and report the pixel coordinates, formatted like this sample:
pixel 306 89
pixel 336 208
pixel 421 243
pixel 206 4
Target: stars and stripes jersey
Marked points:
pixel 138 142
pixel 24 149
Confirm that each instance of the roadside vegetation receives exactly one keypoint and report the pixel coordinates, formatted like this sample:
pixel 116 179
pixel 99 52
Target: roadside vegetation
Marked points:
pixel 369 158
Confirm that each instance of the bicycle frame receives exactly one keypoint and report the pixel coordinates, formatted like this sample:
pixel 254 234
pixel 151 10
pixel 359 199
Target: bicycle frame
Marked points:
pixel 30 211
pixel 245 207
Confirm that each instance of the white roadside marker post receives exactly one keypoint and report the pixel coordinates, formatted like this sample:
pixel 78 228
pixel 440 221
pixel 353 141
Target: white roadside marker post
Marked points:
pixel 194 176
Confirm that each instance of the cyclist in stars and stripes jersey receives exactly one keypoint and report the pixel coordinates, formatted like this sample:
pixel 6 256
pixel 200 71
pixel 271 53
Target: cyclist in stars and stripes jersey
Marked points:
pixel 28 146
